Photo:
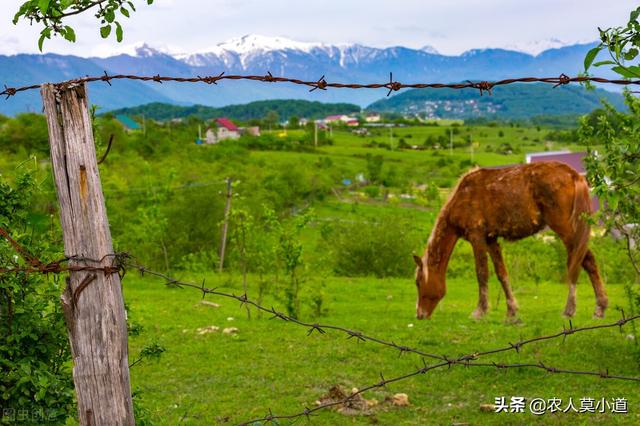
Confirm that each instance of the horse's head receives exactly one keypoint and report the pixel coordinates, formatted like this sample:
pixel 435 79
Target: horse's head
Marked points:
pixel 429 292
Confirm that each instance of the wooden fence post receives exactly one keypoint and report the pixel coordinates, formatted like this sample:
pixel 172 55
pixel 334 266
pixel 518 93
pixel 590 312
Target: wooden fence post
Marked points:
pixel 92 302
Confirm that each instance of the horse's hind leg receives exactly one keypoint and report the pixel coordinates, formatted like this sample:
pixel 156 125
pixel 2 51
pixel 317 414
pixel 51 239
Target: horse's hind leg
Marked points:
pixel 482 272
pixel 574 264
pixel 602 301
pixel 503 277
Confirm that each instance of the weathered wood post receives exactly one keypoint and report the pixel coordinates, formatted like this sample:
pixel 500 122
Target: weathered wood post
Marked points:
pixel 92 302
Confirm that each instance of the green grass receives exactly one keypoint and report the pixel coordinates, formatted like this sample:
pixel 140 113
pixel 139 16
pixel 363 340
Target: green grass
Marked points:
pixel 270 364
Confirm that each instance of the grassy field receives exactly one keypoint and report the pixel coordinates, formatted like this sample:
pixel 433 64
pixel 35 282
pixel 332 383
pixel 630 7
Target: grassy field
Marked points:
pixel 171 195
pixel 269 364
pixel 226 379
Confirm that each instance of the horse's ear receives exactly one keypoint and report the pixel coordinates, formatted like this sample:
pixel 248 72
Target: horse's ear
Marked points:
pixel 418 260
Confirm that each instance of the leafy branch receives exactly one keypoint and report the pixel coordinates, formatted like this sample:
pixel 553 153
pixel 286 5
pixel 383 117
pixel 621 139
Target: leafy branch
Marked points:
pixel 52 15
pixel 622 44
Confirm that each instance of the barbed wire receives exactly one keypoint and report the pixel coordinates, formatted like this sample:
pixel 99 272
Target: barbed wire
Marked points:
pixel 322 84
pixel 466 360
pixel 122 261
pixel 307 412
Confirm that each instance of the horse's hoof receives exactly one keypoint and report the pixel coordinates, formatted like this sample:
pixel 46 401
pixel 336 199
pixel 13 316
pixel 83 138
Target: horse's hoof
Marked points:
pixel 478 314
pixel 598 314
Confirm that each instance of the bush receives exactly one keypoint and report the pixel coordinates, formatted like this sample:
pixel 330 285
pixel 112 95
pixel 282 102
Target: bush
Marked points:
pixel 34 351
pixel 382 248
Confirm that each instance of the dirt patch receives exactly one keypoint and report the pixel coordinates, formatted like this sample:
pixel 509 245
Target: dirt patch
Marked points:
pixel 357 405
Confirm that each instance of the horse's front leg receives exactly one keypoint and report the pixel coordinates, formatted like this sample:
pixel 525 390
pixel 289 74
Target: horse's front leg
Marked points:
pixel 482 273
pixel 503 277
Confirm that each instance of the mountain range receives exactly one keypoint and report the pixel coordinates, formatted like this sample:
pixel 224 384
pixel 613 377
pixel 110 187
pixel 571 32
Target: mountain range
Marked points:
pixel 253 54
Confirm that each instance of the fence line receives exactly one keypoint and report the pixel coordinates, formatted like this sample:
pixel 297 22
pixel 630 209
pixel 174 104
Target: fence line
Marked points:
pixel 122 261
pixel 322 84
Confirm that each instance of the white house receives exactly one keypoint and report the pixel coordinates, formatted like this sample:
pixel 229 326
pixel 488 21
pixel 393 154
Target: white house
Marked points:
pixel 225 130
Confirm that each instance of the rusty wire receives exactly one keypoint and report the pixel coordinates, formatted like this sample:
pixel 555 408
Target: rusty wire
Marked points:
pixel 61 265
pixel 323 84
pixel 307 412
pixel 443 360
pixel 123 261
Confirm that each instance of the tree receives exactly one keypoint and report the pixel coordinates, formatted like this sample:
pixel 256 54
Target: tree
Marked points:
pixel 52 15
pixel 622 44
pixel 294 122
pixel 271 119
pixel 613 164
pixel 613 167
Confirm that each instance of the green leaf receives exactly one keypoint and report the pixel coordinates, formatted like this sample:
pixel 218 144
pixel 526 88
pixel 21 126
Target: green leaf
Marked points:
pixel 627 72
pixel 110 15
pixel 591 55
pixel 149 1
pixel 105 31
pixel 631 54
pixel 46 33
pixel 43 5
pixel 131 6
pixel 124 11
pixel 69 34
pixel 600 63
pixel 118 31
pixel 41 41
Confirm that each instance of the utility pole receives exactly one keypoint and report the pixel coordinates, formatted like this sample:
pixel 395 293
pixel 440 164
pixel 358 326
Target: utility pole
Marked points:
pixel 225 226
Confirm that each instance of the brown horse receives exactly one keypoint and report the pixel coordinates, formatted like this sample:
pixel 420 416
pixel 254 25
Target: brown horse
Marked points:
pixel 511 203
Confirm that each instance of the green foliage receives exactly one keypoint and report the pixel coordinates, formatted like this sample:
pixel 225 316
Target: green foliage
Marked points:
pixel 35 359
pixel 285 108
pixel 289 249
pixel 381 247
pixel 510 102
pixel 52 15
pixel 622 44
pixel 613 170
pixel 374 168
pixel 26 133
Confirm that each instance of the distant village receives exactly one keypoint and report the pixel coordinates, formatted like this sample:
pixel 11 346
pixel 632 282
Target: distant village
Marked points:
pixel 223 128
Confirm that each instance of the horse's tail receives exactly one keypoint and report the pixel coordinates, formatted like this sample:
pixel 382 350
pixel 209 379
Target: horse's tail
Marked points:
pixel 581 229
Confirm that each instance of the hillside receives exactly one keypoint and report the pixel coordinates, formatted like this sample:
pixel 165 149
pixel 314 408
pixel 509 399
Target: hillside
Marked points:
pixel 514 101
pixel 243 112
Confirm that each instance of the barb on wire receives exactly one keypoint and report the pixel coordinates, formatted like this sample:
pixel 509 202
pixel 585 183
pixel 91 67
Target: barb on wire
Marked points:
pixel 323 84
pixel 62 265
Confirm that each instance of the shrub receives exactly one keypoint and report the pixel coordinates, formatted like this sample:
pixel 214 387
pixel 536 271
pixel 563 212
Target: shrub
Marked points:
pixel 382 247
pixel 34 351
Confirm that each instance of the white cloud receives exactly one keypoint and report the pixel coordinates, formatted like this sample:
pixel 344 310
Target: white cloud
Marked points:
pixel 451 26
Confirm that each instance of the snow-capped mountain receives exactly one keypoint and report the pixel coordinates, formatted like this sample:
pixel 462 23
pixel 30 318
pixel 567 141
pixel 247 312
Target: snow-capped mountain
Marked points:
pixel 538 46
pixel 254 54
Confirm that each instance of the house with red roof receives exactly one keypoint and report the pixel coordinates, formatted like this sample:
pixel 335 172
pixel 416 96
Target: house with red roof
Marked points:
pixel 224 129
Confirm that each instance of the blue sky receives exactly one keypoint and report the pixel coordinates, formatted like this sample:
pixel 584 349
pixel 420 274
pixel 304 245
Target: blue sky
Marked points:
pixel 451 26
